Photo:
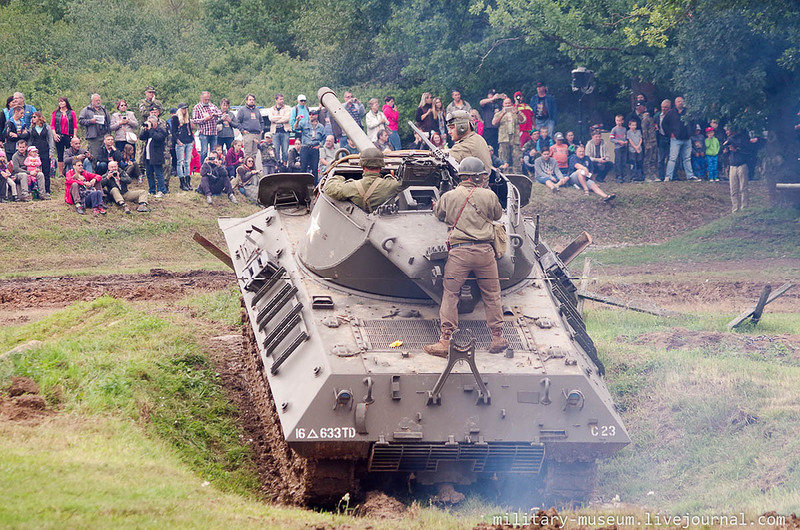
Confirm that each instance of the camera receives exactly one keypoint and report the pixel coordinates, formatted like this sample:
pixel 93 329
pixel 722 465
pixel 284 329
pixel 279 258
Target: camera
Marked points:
pixel 146 125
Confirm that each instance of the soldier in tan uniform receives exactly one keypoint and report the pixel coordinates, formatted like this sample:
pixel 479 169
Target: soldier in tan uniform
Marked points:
pixel 469 210
pixel 371 190
pixel 467 141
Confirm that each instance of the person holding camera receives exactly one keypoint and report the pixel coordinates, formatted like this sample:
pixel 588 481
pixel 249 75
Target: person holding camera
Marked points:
pixel 508 120
pixel 214 179
pixel 492 102
pixel 155 138
pixel 116 183
pixel 123 126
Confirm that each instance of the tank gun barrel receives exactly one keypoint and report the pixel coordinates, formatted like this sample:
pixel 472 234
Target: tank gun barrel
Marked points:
pixel 339 114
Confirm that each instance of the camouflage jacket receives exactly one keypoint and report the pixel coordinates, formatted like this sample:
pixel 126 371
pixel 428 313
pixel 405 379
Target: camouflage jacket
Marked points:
pixel 145 106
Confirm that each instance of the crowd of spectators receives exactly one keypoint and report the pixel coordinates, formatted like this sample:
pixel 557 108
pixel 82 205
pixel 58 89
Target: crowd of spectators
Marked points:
pixel 232 147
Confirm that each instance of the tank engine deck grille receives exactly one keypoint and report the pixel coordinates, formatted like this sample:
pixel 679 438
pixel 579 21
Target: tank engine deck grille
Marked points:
pixel 486 458
pixel 416 333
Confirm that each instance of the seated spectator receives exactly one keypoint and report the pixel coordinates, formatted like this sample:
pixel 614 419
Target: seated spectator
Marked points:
pixel 116 183
pixel 84 190
pixel 124 126
pixel 214 179
pixel 476 119
pixel 108 151
pixel 293 161
pixel 15 130
pixel 545 142
pixel 327 152
pixel 247 177
pixel 596 151
pixel 350 145
pixel 8 186
pixel 580 167
pixel 33 166
pixel 129 165
pixel 570 141
pixel 383 141
pixel 547 172
pixel 418 144
pixel 438 140
pixel 496 162
pixel 233 158
pixel 560 153
pixel 75 153
pixel 269 157
pixel 20 172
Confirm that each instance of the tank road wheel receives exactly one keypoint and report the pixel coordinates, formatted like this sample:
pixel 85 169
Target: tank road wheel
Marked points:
pixel 286 476
pixel 568 483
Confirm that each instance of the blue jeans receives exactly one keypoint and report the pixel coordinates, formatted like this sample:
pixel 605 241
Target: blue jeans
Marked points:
pixel 155 174
pixel 183 153
pixel 549 124
pixel 207 142
pixel 281 142
pixel 394 139
pixel 679 149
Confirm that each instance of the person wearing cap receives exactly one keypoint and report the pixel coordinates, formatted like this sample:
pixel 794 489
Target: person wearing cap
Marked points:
pixel 712 154
pixel 182 134
pixel 544 108
pixel 312 136
pixel 508 119
pixel 252 126
pixel 560 152
pixel 470 210
pixel 214 179
pixel 299 113
pixel 204 116
pixel 526 126
pixel 148 102
pixel 368 192
pixel 489 104
pixel 466 141
pixel 124 126
pixel 33 165
pixel 280 125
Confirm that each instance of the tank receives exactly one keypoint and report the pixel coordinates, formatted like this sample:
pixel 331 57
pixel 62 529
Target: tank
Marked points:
pixel 340 303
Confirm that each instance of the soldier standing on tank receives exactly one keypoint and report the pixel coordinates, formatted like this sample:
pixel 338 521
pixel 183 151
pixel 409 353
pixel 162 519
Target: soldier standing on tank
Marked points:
pixel 469 211
pixel 371 190
pixel 467 142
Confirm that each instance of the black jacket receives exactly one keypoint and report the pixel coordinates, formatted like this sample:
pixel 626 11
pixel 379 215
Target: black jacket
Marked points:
pixel 154 141
pixel 674 124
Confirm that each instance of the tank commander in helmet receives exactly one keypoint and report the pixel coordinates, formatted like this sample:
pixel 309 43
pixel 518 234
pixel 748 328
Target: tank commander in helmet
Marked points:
pixel 371 189
pixel 467 142
pixel 469 210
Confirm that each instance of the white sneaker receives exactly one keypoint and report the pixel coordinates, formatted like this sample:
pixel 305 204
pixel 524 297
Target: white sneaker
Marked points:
pixel 158 195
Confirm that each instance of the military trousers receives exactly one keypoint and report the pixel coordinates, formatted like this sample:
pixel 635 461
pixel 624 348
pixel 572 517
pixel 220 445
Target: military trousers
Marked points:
pixel 461 261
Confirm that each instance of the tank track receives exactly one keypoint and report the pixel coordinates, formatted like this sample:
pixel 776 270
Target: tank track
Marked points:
pixel 290 478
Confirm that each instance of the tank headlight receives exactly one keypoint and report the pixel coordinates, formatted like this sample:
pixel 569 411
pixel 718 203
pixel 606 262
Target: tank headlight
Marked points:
pixel 574 399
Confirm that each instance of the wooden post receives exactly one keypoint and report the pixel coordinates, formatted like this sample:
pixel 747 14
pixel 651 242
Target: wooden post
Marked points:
pixel 762 301
pixel 750 312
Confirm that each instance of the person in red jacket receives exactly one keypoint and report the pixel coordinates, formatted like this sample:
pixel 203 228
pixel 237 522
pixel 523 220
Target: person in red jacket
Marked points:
pixel 526 126
pixel 84 190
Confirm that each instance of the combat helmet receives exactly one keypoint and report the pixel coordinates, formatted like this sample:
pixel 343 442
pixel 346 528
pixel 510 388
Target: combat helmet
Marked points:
pixel 472 168
pixel 461 119
pixel 372 157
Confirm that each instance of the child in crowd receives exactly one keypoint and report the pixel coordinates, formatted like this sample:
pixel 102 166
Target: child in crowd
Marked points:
pixel 699 165
pixel 635 151
pixel 712 154
pixel 7 183
pixel 33 165
pixel 619 137
pixel 234 158
pixel 544 143
pixel 722 163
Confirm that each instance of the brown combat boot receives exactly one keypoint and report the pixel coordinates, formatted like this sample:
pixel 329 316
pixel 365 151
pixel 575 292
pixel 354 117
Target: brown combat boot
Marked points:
pixel 499 342
pixel 441 348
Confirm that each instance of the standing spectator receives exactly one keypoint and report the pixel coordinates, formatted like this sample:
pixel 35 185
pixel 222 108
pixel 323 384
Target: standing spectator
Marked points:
pixel 299 113
pixel 173 157
pixel 376 120
pixel 457 103
pixel 8 111
pixel 722 159
pixel 489 105
pixel 124 126
pixel 214 179
pixel 712 154
pixel 64 123
pixel 619 137
pixel 679 144
pixel 42 138
pixel 737 146
pixel 477 121
pixel 15 130
pixel 96 124
pixel 526 126
pixel 327 152
pixel 355 108
pixel 234 157
pixel 699 163
pixel 108 153
pixel 116 186
pixel 155 138
pixel 148 103
pixel 508 119
pixel 227 124
pixel 252 126
pixel 544 108
pixel 635 150
pixel 393 118
pixel 28 109
pixel 650 146
pixel 280 126
pixel 439 117
pixel 312 137
pixel 269 163
pixel 183 136
pixel 636 115
pixel 84 190
pixel 204 116
pixel 424 114
pixel 662 138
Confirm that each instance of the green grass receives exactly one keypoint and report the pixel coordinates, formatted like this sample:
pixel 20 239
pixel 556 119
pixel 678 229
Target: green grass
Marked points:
pixel 221 307
pixel 713 428
pixel 751 234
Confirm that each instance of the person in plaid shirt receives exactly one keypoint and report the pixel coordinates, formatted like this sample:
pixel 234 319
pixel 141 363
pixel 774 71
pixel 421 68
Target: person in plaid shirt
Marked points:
pixel 204 116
